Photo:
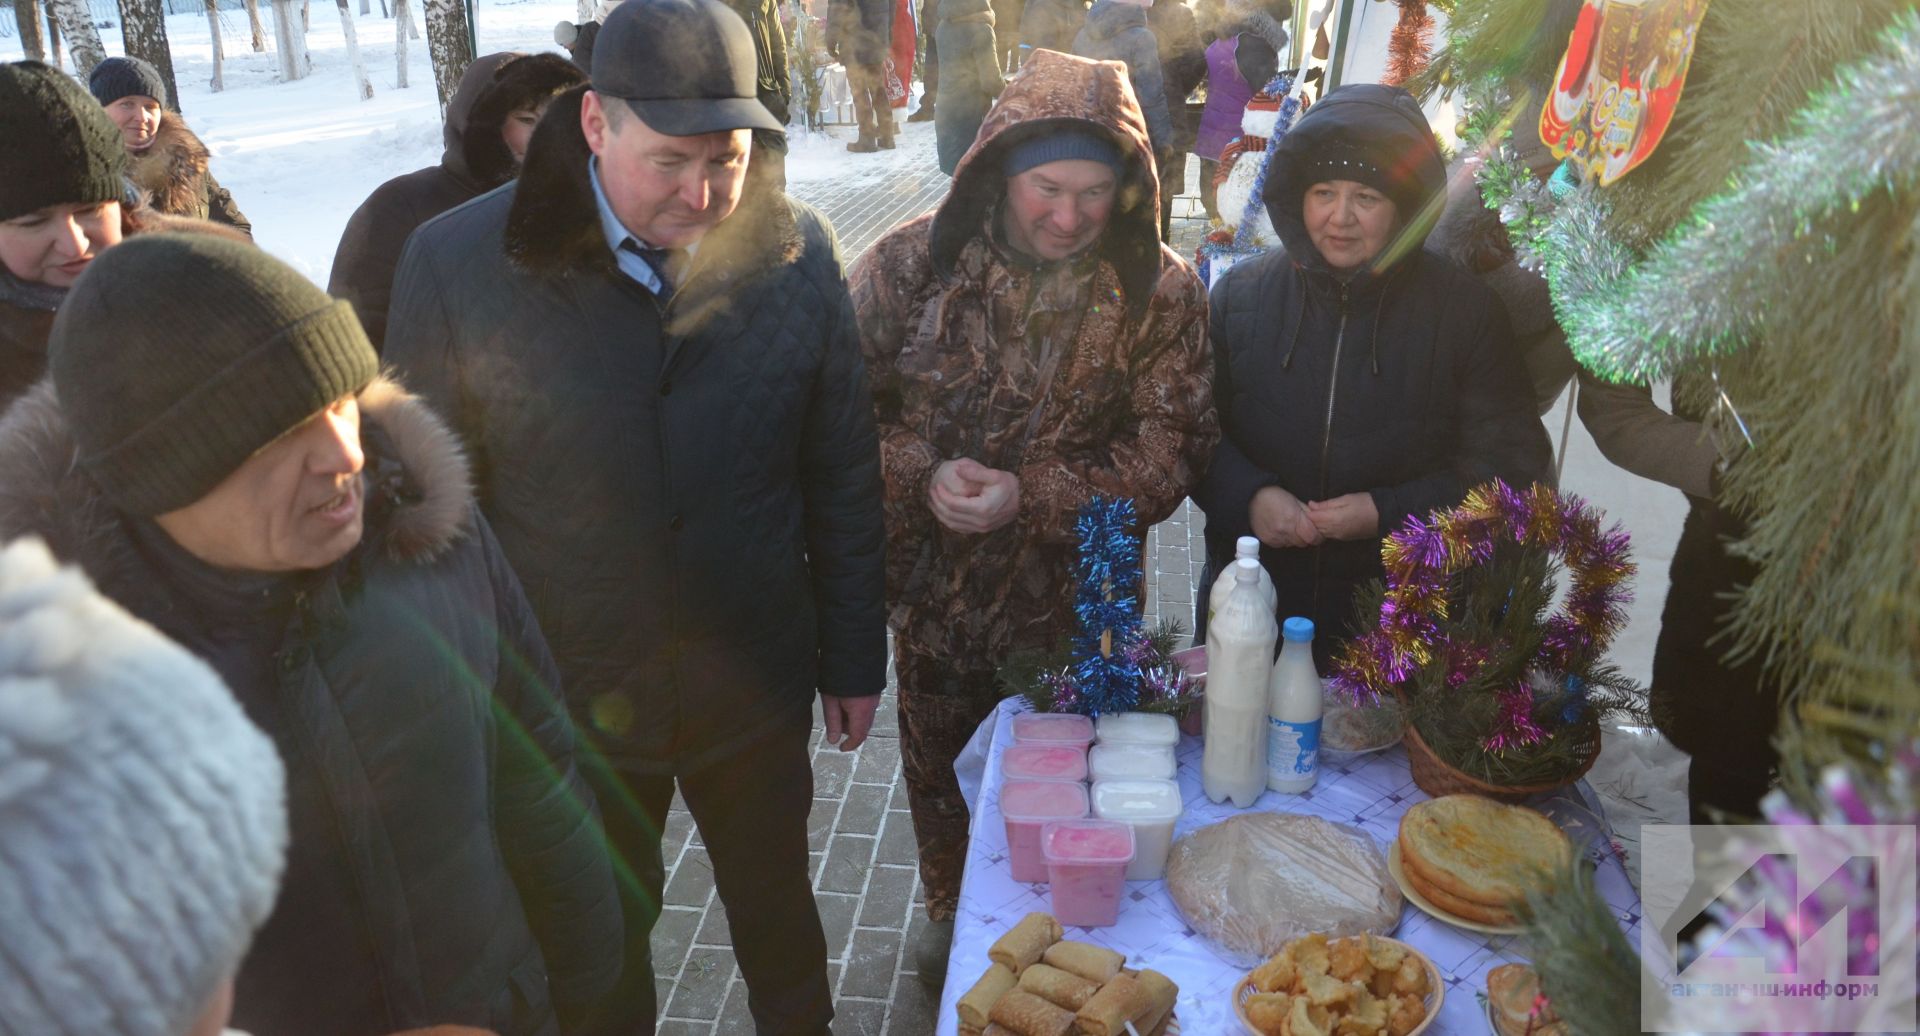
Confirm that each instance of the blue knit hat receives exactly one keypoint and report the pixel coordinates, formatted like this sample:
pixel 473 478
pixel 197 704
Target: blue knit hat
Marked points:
pixel 1088 145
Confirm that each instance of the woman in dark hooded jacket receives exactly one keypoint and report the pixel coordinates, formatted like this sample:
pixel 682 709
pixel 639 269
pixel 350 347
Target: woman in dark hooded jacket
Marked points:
pixel 1360 379
pixel 489 123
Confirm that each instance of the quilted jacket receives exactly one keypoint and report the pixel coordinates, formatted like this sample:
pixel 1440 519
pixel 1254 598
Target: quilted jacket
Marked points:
pixel 1401 381
pixel 444 864
pixel 690 492
pixel 958 330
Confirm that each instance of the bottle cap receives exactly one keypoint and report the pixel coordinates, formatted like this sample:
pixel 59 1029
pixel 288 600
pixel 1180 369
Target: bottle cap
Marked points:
pixel 1246 547
pixel 1298 629
pixel 1246 570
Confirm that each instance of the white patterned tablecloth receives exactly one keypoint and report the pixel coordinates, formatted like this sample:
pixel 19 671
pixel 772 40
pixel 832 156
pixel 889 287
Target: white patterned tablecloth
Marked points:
pixel 1369 793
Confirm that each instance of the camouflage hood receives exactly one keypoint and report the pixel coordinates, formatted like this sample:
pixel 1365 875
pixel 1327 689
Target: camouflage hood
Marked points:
pixel 1053 91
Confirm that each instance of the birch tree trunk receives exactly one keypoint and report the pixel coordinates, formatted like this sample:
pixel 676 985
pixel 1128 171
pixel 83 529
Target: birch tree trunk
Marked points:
pixel 218 82
pixel 361 83
pixel 53 40
pixel 447 43
pixel 306 26
pixel 402 21
pixel 76 24
pixel 286 41
pixel 253 25
pixel 143 31
pixel 26 15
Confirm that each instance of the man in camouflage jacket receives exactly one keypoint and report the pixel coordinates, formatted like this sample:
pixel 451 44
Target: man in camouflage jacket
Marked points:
pixel 1030 344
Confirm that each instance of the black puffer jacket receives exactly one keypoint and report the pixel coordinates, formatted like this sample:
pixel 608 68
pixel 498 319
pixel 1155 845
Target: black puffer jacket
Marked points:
pixel 691 493
pixel 444 863
pixel 1402 382
pixel 369 249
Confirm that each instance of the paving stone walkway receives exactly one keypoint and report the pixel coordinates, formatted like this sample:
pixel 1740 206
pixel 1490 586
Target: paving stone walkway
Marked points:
pixel 859 831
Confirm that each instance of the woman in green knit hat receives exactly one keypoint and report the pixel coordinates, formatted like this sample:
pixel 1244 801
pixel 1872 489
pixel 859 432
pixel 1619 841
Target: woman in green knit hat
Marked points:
pixel 62 190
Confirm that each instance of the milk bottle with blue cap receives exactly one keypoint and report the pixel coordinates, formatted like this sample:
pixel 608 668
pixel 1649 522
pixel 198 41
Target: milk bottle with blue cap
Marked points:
pixel 1293 712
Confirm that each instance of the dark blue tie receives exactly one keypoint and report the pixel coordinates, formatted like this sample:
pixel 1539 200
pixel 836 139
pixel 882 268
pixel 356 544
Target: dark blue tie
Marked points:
pixel 662 261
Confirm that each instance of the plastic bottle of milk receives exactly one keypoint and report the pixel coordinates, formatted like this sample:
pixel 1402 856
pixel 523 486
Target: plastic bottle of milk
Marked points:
pixel 1244 547
pixel 1239 665
pixel 1293 713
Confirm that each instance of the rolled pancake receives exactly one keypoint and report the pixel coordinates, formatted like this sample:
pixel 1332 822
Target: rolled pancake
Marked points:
pixel 1118 1002
pixel 977 1004
pixel 1024 943
pixel 1059 988
pixel 1029 1015
pixel 1161 993
pixel 1094 963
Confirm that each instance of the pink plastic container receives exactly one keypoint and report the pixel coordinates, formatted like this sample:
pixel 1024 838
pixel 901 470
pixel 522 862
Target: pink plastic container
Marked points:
pixel 1029 806
pixel 1042 762
pixel 1052 728
pixel 1087 864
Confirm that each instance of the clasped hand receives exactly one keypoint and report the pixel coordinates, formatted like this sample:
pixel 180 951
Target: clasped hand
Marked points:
pixel 1280 520
pixel 967 496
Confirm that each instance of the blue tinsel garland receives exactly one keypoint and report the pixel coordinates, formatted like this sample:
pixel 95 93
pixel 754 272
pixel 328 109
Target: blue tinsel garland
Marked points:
pixel 1107 604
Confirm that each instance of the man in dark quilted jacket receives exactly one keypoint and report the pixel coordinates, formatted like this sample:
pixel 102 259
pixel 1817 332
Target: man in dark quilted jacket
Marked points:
pixel 660 381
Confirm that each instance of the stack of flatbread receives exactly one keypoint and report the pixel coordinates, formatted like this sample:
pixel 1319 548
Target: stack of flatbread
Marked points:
pixel 1476 858
pixel 1515 1003
pixel 1042 985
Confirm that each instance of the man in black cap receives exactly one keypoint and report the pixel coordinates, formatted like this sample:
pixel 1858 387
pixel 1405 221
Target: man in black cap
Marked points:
pixel 660 383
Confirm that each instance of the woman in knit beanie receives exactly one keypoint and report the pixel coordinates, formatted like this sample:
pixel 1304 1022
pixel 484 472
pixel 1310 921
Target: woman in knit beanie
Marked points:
pixel 166 160
pixel 63 200
pixel 62 173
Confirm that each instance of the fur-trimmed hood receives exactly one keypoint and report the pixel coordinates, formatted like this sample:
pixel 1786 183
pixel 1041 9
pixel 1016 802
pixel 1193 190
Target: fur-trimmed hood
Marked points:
pixel 1054 91
pixel 419 494
pixel 173 169
pixel 553 227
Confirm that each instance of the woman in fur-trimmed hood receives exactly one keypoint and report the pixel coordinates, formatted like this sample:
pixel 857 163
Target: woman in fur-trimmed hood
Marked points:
pixel 165 159
pixel 1072 371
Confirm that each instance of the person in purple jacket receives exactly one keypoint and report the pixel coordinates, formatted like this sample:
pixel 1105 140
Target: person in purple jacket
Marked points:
pixel 1241 59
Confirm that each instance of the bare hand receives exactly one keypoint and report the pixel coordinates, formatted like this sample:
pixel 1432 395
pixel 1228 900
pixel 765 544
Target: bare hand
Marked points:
pixel 852 717
pixel 1279 520
pixel 1350 517
pixel 967 496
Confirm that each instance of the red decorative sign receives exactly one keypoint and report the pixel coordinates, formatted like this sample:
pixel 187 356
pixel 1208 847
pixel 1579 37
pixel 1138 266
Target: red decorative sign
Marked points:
pixel 1619 82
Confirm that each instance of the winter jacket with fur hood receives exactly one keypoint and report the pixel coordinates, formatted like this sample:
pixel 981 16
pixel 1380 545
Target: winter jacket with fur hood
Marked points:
pixel 444 863
pixel 690 491
pixel 1401 380
pixel 1116 30
pixel 173 172
pixel 960 332
pixel 476 160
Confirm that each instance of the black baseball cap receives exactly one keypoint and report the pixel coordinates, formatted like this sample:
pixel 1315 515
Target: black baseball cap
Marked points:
pixel 684 66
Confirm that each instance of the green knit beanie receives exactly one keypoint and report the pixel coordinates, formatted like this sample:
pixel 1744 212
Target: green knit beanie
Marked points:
pixel 178 356
pixel 57 145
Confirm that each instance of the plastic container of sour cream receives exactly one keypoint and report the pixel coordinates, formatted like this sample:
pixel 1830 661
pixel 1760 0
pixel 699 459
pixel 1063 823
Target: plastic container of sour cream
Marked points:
pixel 1087 865
pixel 1144 728
pixel 1125 760
pixel 1029 806
pixel 1150 808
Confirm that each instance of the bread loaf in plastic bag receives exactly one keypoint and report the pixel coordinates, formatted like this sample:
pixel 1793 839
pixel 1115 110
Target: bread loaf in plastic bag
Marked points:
pixel 1255 882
